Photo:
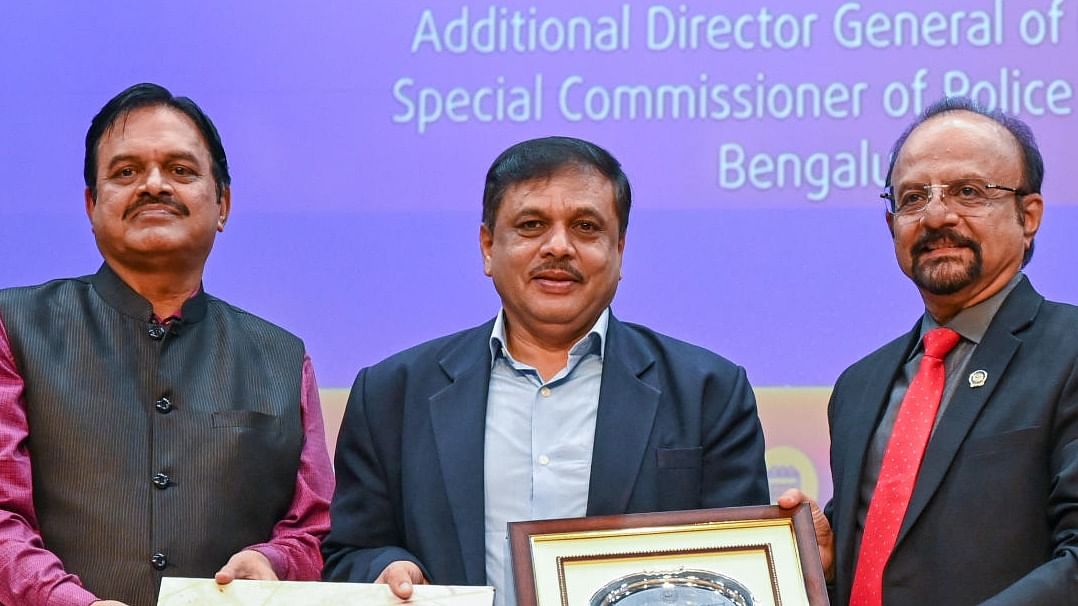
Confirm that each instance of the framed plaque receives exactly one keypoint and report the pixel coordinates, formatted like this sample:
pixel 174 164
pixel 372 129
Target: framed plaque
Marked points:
pixel 177 591
pixel 739 556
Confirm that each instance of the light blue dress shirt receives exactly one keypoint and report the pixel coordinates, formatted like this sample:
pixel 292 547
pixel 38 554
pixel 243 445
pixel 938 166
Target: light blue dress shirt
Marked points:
pixel 539 437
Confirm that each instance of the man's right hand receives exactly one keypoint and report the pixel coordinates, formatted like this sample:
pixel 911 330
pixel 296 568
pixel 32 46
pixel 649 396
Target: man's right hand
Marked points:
pixel 401 576
pixel 825 538
pixel 107 603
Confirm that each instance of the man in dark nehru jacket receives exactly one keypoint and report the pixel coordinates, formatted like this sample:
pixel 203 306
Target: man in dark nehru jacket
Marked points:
pixel 555 408
pixel 148 429
pixel 954 448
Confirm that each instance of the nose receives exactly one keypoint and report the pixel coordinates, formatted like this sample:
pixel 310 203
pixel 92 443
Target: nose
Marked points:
pixel 558 242
pixel 938 212
pixel 156 182
pixel 934 192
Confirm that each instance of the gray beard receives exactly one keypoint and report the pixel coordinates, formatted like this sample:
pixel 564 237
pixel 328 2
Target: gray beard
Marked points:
pixel 943 277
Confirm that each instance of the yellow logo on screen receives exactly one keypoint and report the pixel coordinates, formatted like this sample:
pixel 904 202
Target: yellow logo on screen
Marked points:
pixel 789 467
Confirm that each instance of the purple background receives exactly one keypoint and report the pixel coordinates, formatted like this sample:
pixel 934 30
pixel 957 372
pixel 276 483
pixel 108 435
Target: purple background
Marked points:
pixel 361 235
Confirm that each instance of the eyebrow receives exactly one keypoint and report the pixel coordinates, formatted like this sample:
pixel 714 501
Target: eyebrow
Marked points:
pixel 962 177
pixel 179 155
pixel 588 211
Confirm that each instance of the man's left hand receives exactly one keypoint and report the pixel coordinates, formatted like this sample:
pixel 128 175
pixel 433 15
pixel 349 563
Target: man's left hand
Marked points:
pixel 825 537
pixel 247 564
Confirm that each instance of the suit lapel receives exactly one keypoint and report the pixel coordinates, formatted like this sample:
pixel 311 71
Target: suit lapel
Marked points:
pixel 993 355
pixel 627 407
pixel 458 419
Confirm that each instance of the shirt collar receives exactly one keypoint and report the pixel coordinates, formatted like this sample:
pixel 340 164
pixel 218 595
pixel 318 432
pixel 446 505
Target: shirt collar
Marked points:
pixel 178 314
pixel 593 341
pixel 124 299
pixel 972 322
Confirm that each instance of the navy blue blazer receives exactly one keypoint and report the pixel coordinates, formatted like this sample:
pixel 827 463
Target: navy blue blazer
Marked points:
pixel 994 512
pixel 676 429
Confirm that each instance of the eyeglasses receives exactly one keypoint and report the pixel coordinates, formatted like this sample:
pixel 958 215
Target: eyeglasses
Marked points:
pixel 966 198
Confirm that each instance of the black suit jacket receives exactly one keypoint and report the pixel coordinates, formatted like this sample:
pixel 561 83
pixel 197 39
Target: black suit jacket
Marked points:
pixel 676 429
pixel 994 512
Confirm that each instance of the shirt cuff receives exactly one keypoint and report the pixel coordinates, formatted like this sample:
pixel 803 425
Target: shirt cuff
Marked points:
pixel 277 559
pixel 71 594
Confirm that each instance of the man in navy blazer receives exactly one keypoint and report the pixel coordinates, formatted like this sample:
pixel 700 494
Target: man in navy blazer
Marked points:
pixel 993 513
pixel 553 409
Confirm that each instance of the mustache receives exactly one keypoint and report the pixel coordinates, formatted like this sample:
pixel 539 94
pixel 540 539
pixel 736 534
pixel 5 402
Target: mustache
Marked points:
pixel 946 235
pixel 150 199
pixel 557 265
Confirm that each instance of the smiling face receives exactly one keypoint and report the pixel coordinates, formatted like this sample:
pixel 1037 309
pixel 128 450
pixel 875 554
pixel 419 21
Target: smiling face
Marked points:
pixel 957 262
pixel 555 254
pixel 157 201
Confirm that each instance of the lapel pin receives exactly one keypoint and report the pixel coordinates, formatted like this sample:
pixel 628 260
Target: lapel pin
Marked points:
pixel 978 378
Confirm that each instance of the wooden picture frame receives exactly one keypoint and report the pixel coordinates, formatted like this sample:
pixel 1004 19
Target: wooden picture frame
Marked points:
pixel 743 556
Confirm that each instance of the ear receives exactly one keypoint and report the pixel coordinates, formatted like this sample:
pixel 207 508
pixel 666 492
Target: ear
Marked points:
pixel 486 243
pixel 621 254
pixel 1030 212
pixel 224 207
pixel 890 223
pixel 91 204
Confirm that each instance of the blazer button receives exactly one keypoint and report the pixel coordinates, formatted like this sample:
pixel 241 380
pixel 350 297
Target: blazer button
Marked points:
pixel 159 561
pixel 156 332
pixel 160 480
pixel 163 406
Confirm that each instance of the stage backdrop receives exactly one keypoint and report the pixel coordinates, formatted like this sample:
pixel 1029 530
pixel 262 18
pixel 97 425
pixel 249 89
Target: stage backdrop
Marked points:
pixel 755 134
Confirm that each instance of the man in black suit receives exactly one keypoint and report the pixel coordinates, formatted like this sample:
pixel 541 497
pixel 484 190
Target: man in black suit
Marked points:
pixel 991 510
pixel 553 409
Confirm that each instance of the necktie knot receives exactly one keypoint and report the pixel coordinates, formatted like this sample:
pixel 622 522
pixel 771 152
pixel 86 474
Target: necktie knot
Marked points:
pixel 939 342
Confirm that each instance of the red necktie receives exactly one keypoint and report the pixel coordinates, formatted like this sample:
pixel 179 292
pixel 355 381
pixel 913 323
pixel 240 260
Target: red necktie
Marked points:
pixel 898 472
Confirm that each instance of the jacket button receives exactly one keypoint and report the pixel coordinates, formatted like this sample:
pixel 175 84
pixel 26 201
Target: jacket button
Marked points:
pixel 163 406
pixel 160 480
pixel 156 332
pixel 159 561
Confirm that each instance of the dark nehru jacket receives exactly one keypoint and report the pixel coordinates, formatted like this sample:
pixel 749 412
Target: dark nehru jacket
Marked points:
pixel 156 450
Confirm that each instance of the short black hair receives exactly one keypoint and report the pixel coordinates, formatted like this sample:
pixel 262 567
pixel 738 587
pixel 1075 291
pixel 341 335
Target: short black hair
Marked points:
pixel 1032 162
pixel 543 158
pixel 148 94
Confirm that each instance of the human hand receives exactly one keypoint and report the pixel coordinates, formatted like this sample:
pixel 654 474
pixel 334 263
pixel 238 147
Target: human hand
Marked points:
pixel 107 603
pixel 401 576
pixel 247 564
pixel 825 538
